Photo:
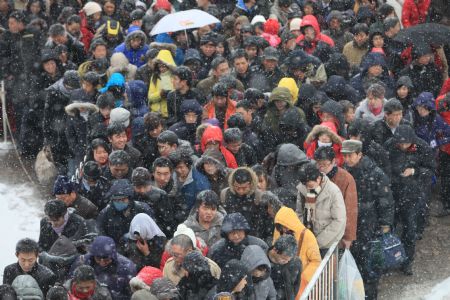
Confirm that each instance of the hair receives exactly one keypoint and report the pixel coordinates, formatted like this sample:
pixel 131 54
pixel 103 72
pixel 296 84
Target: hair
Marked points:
pixel 167 137
pixel 324 153
pixel 360 127
pixel 259 170
pixel 84 273
pixel 119 157
pixel 162 162
pixel 360 27
pixel 56 30
pixel 390 22
pixel 310 172
pixel 232 135
pixel 218 61
pixel 55 208
pixel 179 156
pixel 153 120
pixel 106 100
pixel 269 198
pixel 73 19
pixel 287 245
pixel 27 245
pixel 236 121
pixel 245 104
pixel 115 128
pixel 208 198
pixel 95 143
pixel 392 105
pixel 243 175
pixel 57 292
pixel 183 241
pixel 239 53
pixel 346 106
pixel 376 90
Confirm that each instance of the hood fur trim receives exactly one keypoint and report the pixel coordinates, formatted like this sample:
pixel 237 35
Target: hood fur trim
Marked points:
pixel 319 130
pixel 72 108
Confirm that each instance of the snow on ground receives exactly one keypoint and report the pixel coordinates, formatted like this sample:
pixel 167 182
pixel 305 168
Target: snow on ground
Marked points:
pixel 20 212
pixel 440 292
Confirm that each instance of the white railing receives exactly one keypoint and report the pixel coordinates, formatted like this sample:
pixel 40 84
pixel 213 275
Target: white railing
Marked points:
pixel 324 283
pixel 5 145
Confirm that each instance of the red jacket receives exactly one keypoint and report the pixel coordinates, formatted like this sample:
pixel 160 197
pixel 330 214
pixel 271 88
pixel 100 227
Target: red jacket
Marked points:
pixel 310 20
pixel 87 34
pixel 210 111
pixel 445 114
pixel 414 12
pixel 214 133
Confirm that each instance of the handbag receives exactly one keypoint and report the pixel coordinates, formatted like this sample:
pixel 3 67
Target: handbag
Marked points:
pixel 393 251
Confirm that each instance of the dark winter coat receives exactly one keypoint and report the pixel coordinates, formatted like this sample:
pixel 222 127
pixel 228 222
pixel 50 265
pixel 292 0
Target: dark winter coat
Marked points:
pixel 246 156
pixel 185 131
pixel 101 291
pixel 425 78
pixel 97 193
pixel 94 122
pixel 219 182
pixel 135 155
pixel 194 184
pixel 432 129
pixel 75 50
pixel 84 208
pixel 74 230
pixel 381 131
pixel 375 201
pixel 115 224
pixel 148 146
pixel 115 276
pixel 155 246
pixel 197 286
pixel 43 275
pixel 286 278
pixel 134 55
pixel 174 100
pixel 293 129
pixel 338 89
pixel 137 92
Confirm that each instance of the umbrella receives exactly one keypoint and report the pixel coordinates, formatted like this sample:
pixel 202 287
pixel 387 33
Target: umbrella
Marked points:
pixel 428 33
pixel 183 20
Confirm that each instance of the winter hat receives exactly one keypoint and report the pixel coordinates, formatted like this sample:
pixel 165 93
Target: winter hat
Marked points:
pixel 103 246
pixel 63 185
pixel 231 274
pixel 71 79
pixel 63 247
pixel 164 288
pixel 120 115
pixel 168 137
pixel 258 19
pixel 140 177
pixel 404 134
pixel 191 105
pixel 91 8
pixel 286 244
pixel 148 274
pixel 295 24
pixel 27 288
pixel 425 99
pixel 404 81
pixel 234 221
pixel 281 94
pixel 91 170
pixel 195 263
pixel 290 155
pixel 162 4
pixel 120 188
pixel 47 55
pixel 271 53
pixel 271 27
pixel 334 14
pixel 183 229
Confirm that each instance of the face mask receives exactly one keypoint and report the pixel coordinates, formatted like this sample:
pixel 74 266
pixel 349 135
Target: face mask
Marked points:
pixel 314 192
pixel 120 206
pixel 320 144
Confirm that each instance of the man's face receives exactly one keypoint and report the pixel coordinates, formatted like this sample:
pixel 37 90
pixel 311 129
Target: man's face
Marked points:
pixel 182 170
pixel 190 117
pixel 109 8
pixel 119 171
pixel 208 49
pixel 100 52
pixel 375 71
pixel 352 159
pixel 26 260
pixel 393 119
pixel 335 24
pixel 142 189
pixel 279 259
pixel 136 43
pixel 234 147
pixel 165 149
pixel 220 101
pixel 177 83
pixel 251 51
pixel 118 141
pixel 59 39
pixel 242 189
pixel 49 67
pixel 236 236
pixel 202 3
pixel 246 114
pixel 105 112
pixel 325 165
pixel 241 65
pixel 74 29
pixel 162 176
pixel 87 87
pixel 14 26
pixel 270 64
pixel 222 69
pixel 206 213
pixel 394 30
pixel 361 38
pixel 310 34
pixel 85 286
pixel 425 59
pixel 103 261
pixel 178 253
pixel 68 199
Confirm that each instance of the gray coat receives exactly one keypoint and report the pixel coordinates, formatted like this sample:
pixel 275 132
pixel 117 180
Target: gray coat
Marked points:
pixel 211 235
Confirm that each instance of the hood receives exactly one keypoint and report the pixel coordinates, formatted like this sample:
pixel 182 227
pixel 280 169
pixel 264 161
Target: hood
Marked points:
pixel 116 79
pixel 290 154
pixel 253 257
pixel 404 81
pixel 364 12
pixel 208 158
pixel 334 14
pixel 161 4
pixel 63 247
pixel 322 129
pixel 192 54
pixel 135 32
pixel 288 218
pixel 310 20
pixel 165 57
pixel 119 61
pixel 137 93
pixel 241 5
pixel 254 180
pixel 104 246
pixel 232 273
pixel 282 94
pixel 191 105
pixel 234 221
pixel 145 226
pixel 211 133
pixel 165 46
pixel 335 85
pixel 73 108
pixel 334 108
pixel 404 134
pixel 59 86
pixel 373 59
pixel 425 99
pixel 27 288
pixel 292 118
pixel 145 278
pixel 291 85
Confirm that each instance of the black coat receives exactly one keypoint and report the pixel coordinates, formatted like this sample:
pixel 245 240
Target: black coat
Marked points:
pixel 378 155
pixel 425 78
pixel 286 278
pixel 198 286
pixel 75 50
pixel 156 247
pixel 97 193
pixel 174 100
pixel 74 230
pixel 246 156
pixel 185 131
pixel 43 275
pixel 135 155
pixel 94 121
pixel 381 132
pixel 148 147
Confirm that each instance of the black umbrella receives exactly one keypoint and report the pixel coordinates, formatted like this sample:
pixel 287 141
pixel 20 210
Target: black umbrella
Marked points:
pixel 428 33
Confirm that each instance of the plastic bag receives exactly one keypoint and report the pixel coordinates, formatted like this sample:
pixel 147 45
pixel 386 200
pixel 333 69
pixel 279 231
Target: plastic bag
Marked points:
pixel 44 167
pixel 351 286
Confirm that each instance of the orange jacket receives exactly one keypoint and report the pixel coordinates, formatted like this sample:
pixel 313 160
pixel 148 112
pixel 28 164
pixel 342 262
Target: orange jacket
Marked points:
pixel 209 111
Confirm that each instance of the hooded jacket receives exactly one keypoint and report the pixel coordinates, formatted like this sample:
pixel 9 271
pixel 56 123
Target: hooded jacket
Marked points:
pixel 338 89
pixel 308 249
pixel 414 12
pixel 43 275
pixel 214 133
pixel 116 79
pixel 121 64
pixel 312 141
pixel 209 111
pixel 134 55
pixel 363 112
pixel 27 288
pixel 253 257
pixel 335 109
pixel 210 235
pixel 329 216
pixel 310 47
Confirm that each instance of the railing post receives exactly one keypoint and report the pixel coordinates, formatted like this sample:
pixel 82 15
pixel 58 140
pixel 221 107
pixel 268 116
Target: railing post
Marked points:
pixel 5 145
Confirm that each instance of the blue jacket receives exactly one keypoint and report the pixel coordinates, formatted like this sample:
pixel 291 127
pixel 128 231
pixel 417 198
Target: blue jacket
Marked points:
pixel 134 55
pixel 137 95
pixel 179 53
pixel 194 184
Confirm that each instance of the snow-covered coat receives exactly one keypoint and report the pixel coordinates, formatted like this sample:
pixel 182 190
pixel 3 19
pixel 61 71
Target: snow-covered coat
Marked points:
pixel 134 56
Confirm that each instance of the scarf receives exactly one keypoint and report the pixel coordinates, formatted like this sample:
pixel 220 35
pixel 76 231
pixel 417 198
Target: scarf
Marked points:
pixel 309 211
pixel 333 172
pixel 75 295
pixel 375 110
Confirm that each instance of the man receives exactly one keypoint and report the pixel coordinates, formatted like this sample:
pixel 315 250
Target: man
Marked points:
pixel 244 154
pixel 98 50
pixel 93 185
pixel 117 136
pixel 167 143
pixel 148 143
pixel 84 285
pixel 59 221
pixel 241 65
pixel 412 163
pixel 65 190
pixel 382 130
pixel 335 31
pixel 182 82
pixel 208 44
pixel 376 209
pixel 392 47
pixel 326 161
pixel 355 50
pixel 134 47
pixel 327 220
pixel 118 166
pixel 270 68
pixel 311 35
pixel 27 251
pixel 246 110
pixel 59 36
pixel 221 106
pixel 114 220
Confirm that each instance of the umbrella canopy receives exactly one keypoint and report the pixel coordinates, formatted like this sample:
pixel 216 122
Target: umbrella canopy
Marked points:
pixel 428 33
pixel 183 20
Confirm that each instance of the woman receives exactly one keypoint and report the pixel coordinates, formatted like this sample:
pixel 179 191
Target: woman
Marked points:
pixel 161 82
pixel 215 171
pixel 99 151
pixel 324 135
pixel 35 10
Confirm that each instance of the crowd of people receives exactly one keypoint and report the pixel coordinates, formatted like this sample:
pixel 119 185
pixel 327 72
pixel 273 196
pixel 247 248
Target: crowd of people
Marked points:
pixel 223 162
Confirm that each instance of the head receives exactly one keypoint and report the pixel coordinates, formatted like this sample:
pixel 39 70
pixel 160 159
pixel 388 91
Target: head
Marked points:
pixel 153 124
pixel 242 181
pixel 84 281
pixel 220 95
pixel 270 59
pixel 55 211
pixel 360 34
pixel 391 26
pixel 119 163
pixel 180 246
pixel 27 251
pixel 182 78
pixel 352 152
pixel 245 109
pixel 208 44
pixel 377 40
pixel 64 190
pixel 105 103
pixel 309 33
pixel 273 203
pixel 375 95
pixel 100 151
pixel 207 204
pixel 235 228
pixel 393 113
pixel 240 61
pixel 73 26
pixel 162 169
pixel 220 67
pixel 141 180
pixel 349 111
pixel 311 177
pixel 283 250
pixel 182 162
pixel 233 139
pixel 167 143
pixel 117 135
pixel 263 178
pixel 58 34
pixel 16 22
pixel 325 158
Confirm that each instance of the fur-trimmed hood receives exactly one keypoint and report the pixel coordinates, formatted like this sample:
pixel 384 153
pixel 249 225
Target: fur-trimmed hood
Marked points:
pixel 165 57
pixel 319 130
pixel 164 46
pixel 136 33
pixel 207 158
pixel 254 182
pixel 73 108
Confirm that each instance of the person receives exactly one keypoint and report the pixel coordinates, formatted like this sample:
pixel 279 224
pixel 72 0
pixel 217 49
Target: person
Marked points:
pixel 134 47
pixel 140 285
pixel 84 285
pixel 326 161
pixel 59 36
pixel 185 128
pixel 206 217
pixel 286 267
pixel 321 207
pixel 221 107
pixel 111 269
pixel 118 166
pixel 376 210
pixel 404 95
pixel 233 280
pixel 324 135
pixel 287 223
pixel 244 154
pixel 58 221
pixel 235 238
pixel 118 137
pixel 105 103
pixel 336 31
pixel 356 49
pixel 212 141
pixel 311 35
pixel 92 185
pixel 26 287
pixel 412 164
pixel 27 251
pixel 65 190
pixel 259 269
pixel 147 144
pixel 115 219
pixel 371 108
pixel 7 292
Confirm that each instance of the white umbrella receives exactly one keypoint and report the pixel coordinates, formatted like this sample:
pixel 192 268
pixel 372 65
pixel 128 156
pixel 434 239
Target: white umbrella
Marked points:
pixel 183 20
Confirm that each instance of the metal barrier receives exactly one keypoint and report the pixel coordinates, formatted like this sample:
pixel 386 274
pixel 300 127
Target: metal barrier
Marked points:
pixel 324 283
pixel 5 145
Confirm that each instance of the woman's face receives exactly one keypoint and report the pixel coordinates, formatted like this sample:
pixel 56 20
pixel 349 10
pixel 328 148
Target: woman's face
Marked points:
pixel 378 41
pixel 35 7
pixel 50 67
pixel 262 183
pixel 423 112
pixel 324 138
pixel 101 155
pixel 109 8
pixel 210 168
pixel 220 49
